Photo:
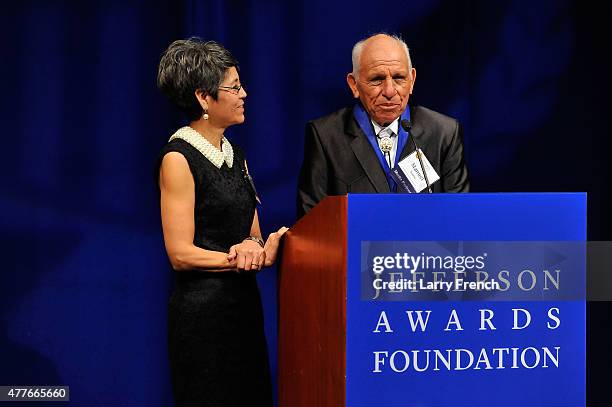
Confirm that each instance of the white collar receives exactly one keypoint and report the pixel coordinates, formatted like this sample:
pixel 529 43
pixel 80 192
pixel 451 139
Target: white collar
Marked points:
pixel 394 127
pixel 214 155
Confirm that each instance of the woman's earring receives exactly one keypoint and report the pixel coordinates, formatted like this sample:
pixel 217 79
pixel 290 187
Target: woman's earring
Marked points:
pixel 205 115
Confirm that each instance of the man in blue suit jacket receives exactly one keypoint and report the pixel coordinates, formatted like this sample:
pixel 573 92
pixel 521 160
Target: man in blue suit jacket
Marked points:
pixel 341 153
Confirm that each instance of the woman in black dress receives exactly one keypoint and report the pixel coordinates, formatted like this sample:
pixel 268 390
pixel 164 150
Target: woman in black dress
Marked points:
pixel 211 232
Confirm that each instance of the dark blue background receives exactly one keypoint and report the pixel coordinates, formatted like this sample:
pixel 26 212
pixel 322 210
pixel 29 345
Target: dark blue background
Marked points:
pixel 85 278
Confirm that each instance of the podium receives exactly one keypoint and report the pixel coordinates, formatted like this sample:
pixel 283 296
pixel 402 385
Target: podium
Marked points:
pixel 345 340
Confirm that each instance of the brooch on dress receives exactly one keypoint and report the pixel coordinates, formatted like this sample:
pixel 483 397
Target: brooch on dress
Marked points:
pixel 249 180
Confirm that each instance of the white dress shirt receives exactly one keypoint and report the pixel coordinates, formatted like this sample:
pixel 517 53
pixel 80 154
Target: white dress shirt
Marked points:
pixel 392 130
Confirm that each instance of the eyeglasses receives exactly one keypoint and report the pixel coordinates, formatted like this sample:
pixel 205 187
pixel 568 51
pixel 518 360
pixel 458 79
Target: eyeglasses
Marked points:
pixel 232 89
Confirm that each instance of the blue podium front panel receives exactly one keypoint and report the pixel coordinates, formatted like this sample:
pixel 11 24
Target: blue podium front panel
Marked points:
pixel 466 300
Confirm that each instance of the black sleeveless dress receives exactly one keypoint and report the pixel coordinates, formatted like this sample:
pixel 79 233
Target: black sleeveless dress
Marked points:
pixel 217 347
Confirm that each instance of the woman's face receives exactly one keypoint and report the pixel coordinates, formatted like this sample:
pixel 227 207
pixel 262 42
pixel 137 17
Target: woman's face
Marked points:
pixel 228 109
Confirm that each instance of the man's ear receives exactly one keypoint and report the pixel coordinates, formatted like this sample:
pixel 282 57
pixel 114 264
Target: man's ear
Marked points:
pixel 352 82
pixel 413 74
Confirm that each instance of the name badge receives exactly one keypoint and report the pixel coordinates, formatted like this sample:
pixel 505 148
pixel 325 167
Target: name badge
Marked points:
pixel 409 176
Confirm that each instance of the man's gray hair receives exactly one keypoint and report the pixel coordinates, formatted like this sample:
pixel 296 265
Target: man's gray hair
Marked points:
pixel 357 48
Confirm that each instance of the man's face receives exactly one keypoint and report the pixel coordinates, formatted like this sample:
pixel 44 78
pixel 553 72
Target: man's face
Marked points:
pixel 385 81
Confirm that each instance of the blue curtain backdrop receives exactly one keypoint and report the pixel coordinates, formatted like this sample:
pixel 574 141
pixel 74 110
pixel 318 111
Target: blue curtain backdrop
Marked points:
pixel 85 279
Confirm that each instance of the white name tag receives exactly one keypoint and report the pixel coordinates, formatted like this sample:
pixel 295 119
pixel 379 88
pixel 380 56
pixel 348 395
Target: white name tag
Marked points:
pixel 409 172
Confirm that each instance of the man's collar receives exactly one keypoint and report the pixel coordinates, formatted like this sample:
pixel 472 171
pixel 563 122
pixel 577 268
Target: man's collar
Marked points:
pixel 394 127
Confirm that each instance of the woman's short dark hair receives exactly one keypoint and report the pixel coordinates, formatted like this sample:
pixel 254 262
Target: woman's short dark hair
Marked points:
pixel 191 64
